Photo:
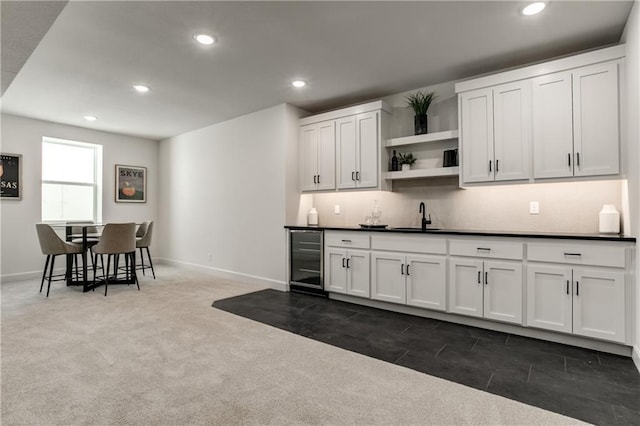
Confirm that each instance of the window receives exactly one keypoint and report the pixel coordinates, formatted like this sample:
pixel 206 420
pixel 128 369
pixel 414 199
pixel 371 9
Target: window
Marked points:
pixel 71 181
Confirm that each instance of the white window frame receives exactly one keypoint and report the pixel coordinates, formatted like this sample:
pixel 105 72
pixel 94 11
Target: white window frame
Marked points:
pixel 97 178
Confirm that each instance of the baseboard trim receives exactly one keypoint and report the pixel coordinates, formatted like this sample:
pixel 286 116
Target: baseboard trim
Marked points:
pixel 224 273
pixel 24 276
pixel 597 345
pixel 635 355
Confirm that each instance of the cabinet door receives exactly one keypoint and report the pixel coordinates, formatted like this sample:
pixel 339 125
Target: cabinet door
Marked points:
pixel 512 130
pixel 346 141
pixel 549 304
pixel 326 156
pixel 465 286
pixel 358 280
pixel 427 282
pixel 477 135
pixel 308 157
pixel 552 126
pixel 595 120
pixel 503 291
pixel 599 304
pixel 367 150
pixel 335 271
pixel 388 279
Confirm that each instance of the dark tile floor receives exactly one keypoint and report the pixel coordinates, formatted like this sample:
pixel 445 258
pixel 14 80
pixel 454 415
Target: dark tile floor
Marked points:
pixel 588 385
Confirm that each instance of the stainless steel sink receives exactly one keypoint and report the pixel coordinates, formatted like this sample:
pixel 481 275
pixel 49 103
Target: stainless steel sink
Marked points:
pixel 415 229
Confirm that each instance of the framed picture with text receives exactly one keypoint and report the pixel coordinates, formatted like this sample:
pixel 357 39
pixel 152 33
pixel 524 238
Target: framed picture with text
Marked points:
pixel 131 184
pixel 10 176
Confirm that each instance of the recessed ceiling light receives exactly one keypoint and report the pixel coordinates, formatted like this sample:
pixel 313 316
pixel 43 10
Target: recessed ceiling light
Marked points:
pixel 534 8
pixel 141 88
pixel 90 118
pixel 299 83
pixel 204 39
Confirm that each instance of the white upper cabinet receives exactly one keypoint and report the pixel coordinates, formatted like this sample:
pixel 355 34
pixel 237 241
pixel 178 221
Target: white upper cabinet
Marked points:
pixel 358 147
pixel 496 133
pixel 595 120
pixel 552 126
pixel 576 122
pixel 317 153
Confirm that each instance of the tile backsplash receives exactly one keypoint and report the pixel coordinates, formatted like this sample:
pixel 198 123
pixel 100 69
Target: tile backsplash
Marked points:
pixel 570 207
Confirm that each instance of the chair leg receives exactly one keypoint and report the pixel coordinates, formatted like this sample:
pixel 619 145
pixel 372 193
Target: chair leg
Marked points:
pixel 94 262
pixel 142 261
pixel 106 280
pixel 53 259
pixel 44 273
pixel 151 263
pixel 75 258
pixel 133 269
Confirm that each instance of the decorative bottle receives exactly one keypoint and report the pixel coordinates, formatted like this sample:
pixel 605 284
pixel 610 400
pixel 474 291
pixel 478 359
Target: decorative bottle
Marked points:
pixel 394 162
pixel 609 220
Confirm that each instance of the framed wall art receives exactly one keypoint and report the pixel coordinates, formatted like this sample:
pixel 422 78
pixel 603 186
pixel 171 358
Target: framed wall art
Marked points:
pixel 10 176
pixel 131 184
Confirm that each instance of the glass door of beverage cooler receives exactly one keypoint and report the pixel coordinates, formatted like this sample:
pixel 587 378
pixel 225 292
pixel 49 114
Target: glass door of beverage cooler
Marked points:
pixel 306 258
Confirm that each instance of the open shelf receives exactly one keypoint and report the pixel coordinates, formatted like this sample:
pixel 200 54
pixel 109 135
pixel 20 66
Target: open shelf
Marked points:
pixel 419 139
pixel 423 173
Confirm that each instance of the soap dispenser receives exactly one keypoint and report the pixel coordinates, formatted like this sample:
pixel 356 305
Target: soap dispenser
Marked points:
pixel 312 217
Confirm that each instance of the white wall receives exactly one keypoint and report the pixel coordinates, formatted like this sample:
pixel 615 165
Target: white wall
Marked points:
pixel 20 251
pixel 631 37
pixel 224 195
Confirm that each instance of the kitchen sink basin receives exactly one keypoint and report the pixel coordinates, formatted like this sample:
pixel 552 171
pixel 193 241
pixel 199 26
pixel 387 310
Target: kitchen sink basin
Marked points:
pixel 416 229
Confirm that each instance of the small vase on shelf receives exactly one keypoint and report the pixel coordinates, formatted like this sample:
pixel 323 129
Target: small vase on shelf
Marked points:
pixel 406 167
pixel 420 124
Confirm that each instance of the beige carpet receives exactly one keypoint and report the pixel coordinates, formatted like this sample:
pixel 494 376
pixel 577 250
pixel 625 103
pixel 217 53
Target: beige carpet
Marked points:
pixel 164 356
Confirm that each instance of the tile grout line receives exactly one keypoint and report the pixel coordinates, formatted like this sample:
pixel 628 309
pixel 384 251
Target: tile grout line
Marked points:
pixel 438 353
pixel 408 327
pixel 401 356
pixel 474 344
pixel 565 363
pixel 506 341
pixel 489 382
pixel 529 375
pixel 598 357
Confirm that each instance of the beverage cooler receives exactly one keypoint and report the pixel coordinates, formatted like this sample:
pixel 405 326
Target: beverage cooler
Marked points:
pixel 305 261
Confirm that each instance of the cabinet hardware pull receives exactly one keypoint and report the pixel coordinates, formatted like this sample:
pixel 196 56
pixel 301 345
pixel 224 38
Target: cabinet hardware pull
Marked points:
pixel 318 178
pixel 567 286
pixel 486 278
pixel 577 288
pixel 357 175
pixel 573 254
pixel 352 175
pixel 497 166
pixel 314 179
pixel 348 262
pixel 408 274
pixel 343 262
pixel 578 159
pixel 346 241
pixel 489 165
pixel 484 248
pixel 479 274
pixel 569 159
pixel 402 269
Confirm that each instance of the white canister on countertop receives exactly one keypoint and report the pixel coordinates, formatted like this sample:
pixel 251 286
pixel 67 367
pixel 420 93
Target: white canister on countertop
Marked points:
pixel 609 220
pixel 312 217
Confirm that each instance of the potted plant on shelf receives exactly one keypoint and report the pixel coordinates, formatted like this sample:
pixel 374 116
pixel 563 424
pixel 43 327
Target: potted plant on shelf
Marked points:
pixel 420 102
pixel 406 160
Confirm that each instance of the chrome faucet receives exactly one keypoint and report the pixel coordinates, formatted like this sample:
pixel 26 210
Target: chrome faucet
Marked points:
pixel 425 221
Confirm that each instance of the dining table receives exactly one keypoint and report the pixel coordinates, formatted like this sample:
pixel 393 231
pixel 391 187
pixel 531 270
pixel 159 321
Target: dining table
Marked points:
pixel 85 282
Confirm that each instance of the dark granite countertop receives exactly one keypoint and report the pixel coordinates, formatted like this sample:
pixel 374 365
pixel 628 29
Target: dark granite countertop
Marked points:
pixel 479 233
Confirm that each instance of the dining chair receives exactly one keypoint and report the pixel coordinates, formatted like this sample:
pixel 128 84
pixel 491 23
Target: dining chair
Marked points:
pixel 52 245
pixel 92 236
pixel 117 239
pixel 143 242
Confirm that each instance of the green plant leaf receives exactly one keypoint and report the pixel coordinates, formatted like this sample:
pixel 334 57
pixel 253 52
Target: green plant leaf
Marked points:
pixel 420 101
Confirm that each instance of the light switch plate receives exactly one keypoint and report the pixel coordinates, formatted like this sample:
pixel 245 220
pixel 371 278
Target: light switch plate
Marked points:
pixel 336 209
pixel 534 207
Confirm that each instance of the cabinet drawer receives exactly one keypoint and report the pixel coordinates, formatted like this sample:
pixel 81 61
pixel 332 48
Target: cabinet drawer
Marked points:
pixel 347 239
pixel 579 254
pixel 409 243
pixel 487 249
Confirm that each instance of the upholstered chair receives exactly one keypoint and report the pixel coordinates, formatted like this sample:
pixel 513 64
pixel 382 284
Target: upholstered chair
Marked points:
pixel 117 239
pixel 52 245
pixel 143 242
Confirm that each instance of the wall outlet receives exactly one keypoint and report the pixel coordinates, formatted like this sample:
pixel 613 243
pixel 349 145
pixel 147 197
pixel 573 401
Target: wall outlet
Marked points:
pixel 336 209
pixel 534 207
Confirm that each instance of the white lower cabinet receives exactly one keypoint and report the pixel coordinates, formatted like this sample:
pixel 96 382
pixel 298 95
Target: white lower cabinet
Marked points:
pixel 580 300
pixel 347 271
pixel 486 289
pixel 417 280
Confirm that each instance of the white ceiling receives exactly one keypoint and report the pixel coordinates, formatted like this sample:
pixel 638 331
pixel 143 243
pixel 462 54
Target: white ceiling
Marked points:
pixel 347 51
